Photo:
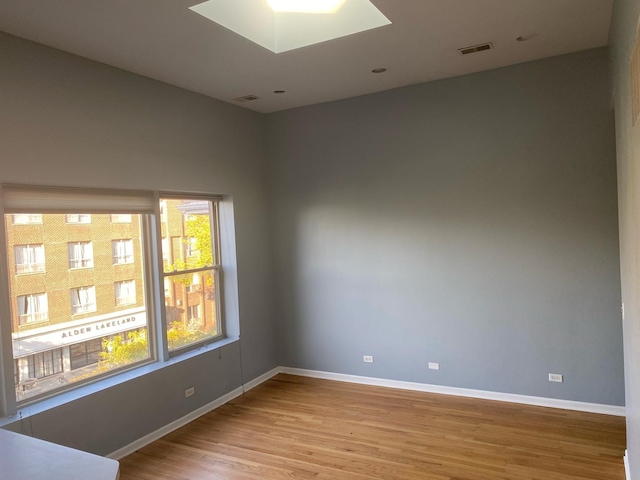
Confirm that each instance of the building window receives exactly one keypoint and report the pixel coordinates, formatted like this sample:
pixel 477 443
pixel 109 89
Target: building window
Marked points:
pixel 26 219
pixel 125 292
pixel 83 300
pixel 45 364
pixel 121 218
pixel 80 255
pixel 109 326
pixel 191 248
pixel 191 285
pixel 78 218
pixel 122 251
pixel 33 308
pixel 29 258
pixel 85 353
pixel 163 211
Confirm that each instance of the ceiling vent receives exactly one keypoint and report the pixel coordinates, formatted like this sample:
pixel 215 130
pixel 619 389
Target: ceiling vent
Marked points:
pixel 475 48
pixel 246 98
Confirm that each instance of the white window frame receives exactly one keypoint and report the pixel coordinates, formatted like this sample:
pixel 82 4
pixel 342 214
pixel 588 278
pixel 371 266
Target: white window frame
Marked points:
pixel 120 218
pixel 83 300
pixel 29 258
pixel 26 219
pixel 78 218
pixel 122 251
pixel 35 200
pixel 125 292
pixel 216 269
pixel 80 255
pixel 33 308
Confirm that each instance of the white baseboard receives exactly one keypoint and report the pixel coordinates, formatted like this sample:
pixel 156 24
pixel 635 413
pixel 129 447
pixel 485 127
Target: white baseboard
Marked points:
pixel 190 417
pixel 463 392
pixel 380 382
pixel 161 432
pixel 261 379
pixel 626 465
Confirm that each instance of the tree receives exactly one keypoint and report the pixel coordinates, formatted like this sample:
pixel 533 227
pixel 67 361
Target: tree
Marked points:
pixel 116 351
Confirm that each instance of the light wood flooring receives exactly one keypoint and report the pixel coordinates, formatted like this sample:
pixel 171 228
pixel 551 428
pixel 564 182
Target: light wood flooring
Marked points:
pixel 293 427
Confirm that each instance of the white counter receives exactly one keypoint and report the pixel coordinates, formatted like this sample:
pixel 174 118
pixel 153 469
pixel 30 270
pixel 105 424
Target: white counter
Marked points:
pixel 26 458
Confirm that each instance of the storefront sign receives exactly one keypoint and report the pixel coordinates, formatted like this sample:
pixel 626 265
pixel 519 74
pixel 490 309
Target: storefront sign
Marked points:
pixel 32 342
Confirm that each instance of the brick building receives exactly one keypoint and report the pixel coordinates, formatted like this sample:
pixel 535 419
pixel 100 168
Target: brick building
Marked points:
pixel 77 280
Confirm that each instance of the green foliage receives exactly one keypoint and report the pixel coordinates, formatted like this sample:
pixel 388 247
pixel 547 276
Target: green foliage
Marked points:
pixel 198 227
pixel 179 336
pixel 118 352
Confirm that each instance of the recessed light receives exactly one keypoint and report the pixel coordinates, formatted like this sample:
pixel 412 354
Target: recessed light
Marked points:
pixel 279 91
pixel 378 70
pixel 524 38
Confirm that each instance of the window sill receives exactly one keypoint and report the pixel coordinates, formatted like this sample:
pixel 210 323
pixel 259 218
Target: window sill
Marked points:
pixel 106 383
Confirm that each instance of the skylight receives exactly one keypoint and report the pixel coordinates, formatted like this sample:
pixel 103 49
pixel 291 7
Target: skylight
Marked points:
pixel 283 25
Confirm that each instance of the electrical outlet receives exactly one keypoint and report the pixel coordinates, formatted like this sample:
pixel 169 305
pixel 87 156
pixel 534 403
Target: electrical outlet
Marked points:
pixel 367 359
pixel 189 392
pixel 434 366
pixel 555 377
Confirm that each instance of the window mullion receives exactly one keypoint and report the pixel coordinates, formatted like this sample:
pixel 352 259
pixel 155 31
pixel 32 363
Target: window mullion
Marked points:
pixel 7 377
pixel 157 264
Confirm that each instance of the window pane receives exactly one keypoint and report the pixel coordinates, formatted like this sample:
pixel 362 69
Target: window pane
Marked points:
pixel 189 253
pixel 29 258
pixel 80 255
pixel 121 218
pixel 66 326
pixel 33 308
pixel 125 292
pixel 122 251
pixel 190 302
pixel 78 218
pixel 26 218
pixel 188 224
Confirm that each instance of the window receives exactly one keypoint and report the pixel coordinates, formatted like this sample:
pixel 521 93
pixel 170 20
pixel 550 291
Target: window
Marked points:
pixel 122 251
pixel 32 308
pixel 26 219
pixel 78 218
pixel 97 304
pixel 191 248
pixel 29 258
pixel 80 255
pixel 125 292
pixel 191 285
pixel 86 353
pixel 45 364
pixel 83 300
pixel 121 218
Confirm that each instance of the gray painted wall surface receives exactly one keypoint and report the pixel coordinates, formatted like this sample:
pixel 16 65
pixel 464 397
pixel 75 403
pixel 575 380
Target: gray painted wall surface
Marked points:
pixel 68 121
pixel 626 16
pixel 470 222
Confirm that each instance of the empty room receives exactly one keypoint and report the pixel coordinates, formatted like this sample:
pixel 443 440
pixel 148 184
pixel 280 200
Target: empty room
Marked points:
pixel 329 239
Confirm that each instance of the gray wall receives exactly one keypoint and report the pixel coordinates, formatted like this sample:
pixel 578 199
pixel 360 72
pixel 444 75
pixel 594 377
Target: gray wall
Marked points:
pixel 623 32
pixel 470 222
pixel 68 121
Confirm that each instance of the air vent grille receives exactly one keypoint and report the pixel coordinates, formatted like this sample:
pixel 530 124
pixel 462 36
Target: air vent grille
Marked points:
pixel 635 82
pixel 475 48
pixel 246 98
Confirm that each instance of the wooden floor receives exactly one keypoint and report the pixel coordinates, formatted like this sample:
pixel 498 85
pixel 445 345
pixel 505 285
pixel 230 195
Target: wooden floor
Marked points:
pixel 294 427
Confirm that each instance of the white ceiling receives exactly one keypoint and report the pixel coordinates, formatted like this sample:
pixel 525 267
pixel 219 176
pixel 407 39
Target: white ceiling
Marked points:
pixel 164 40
